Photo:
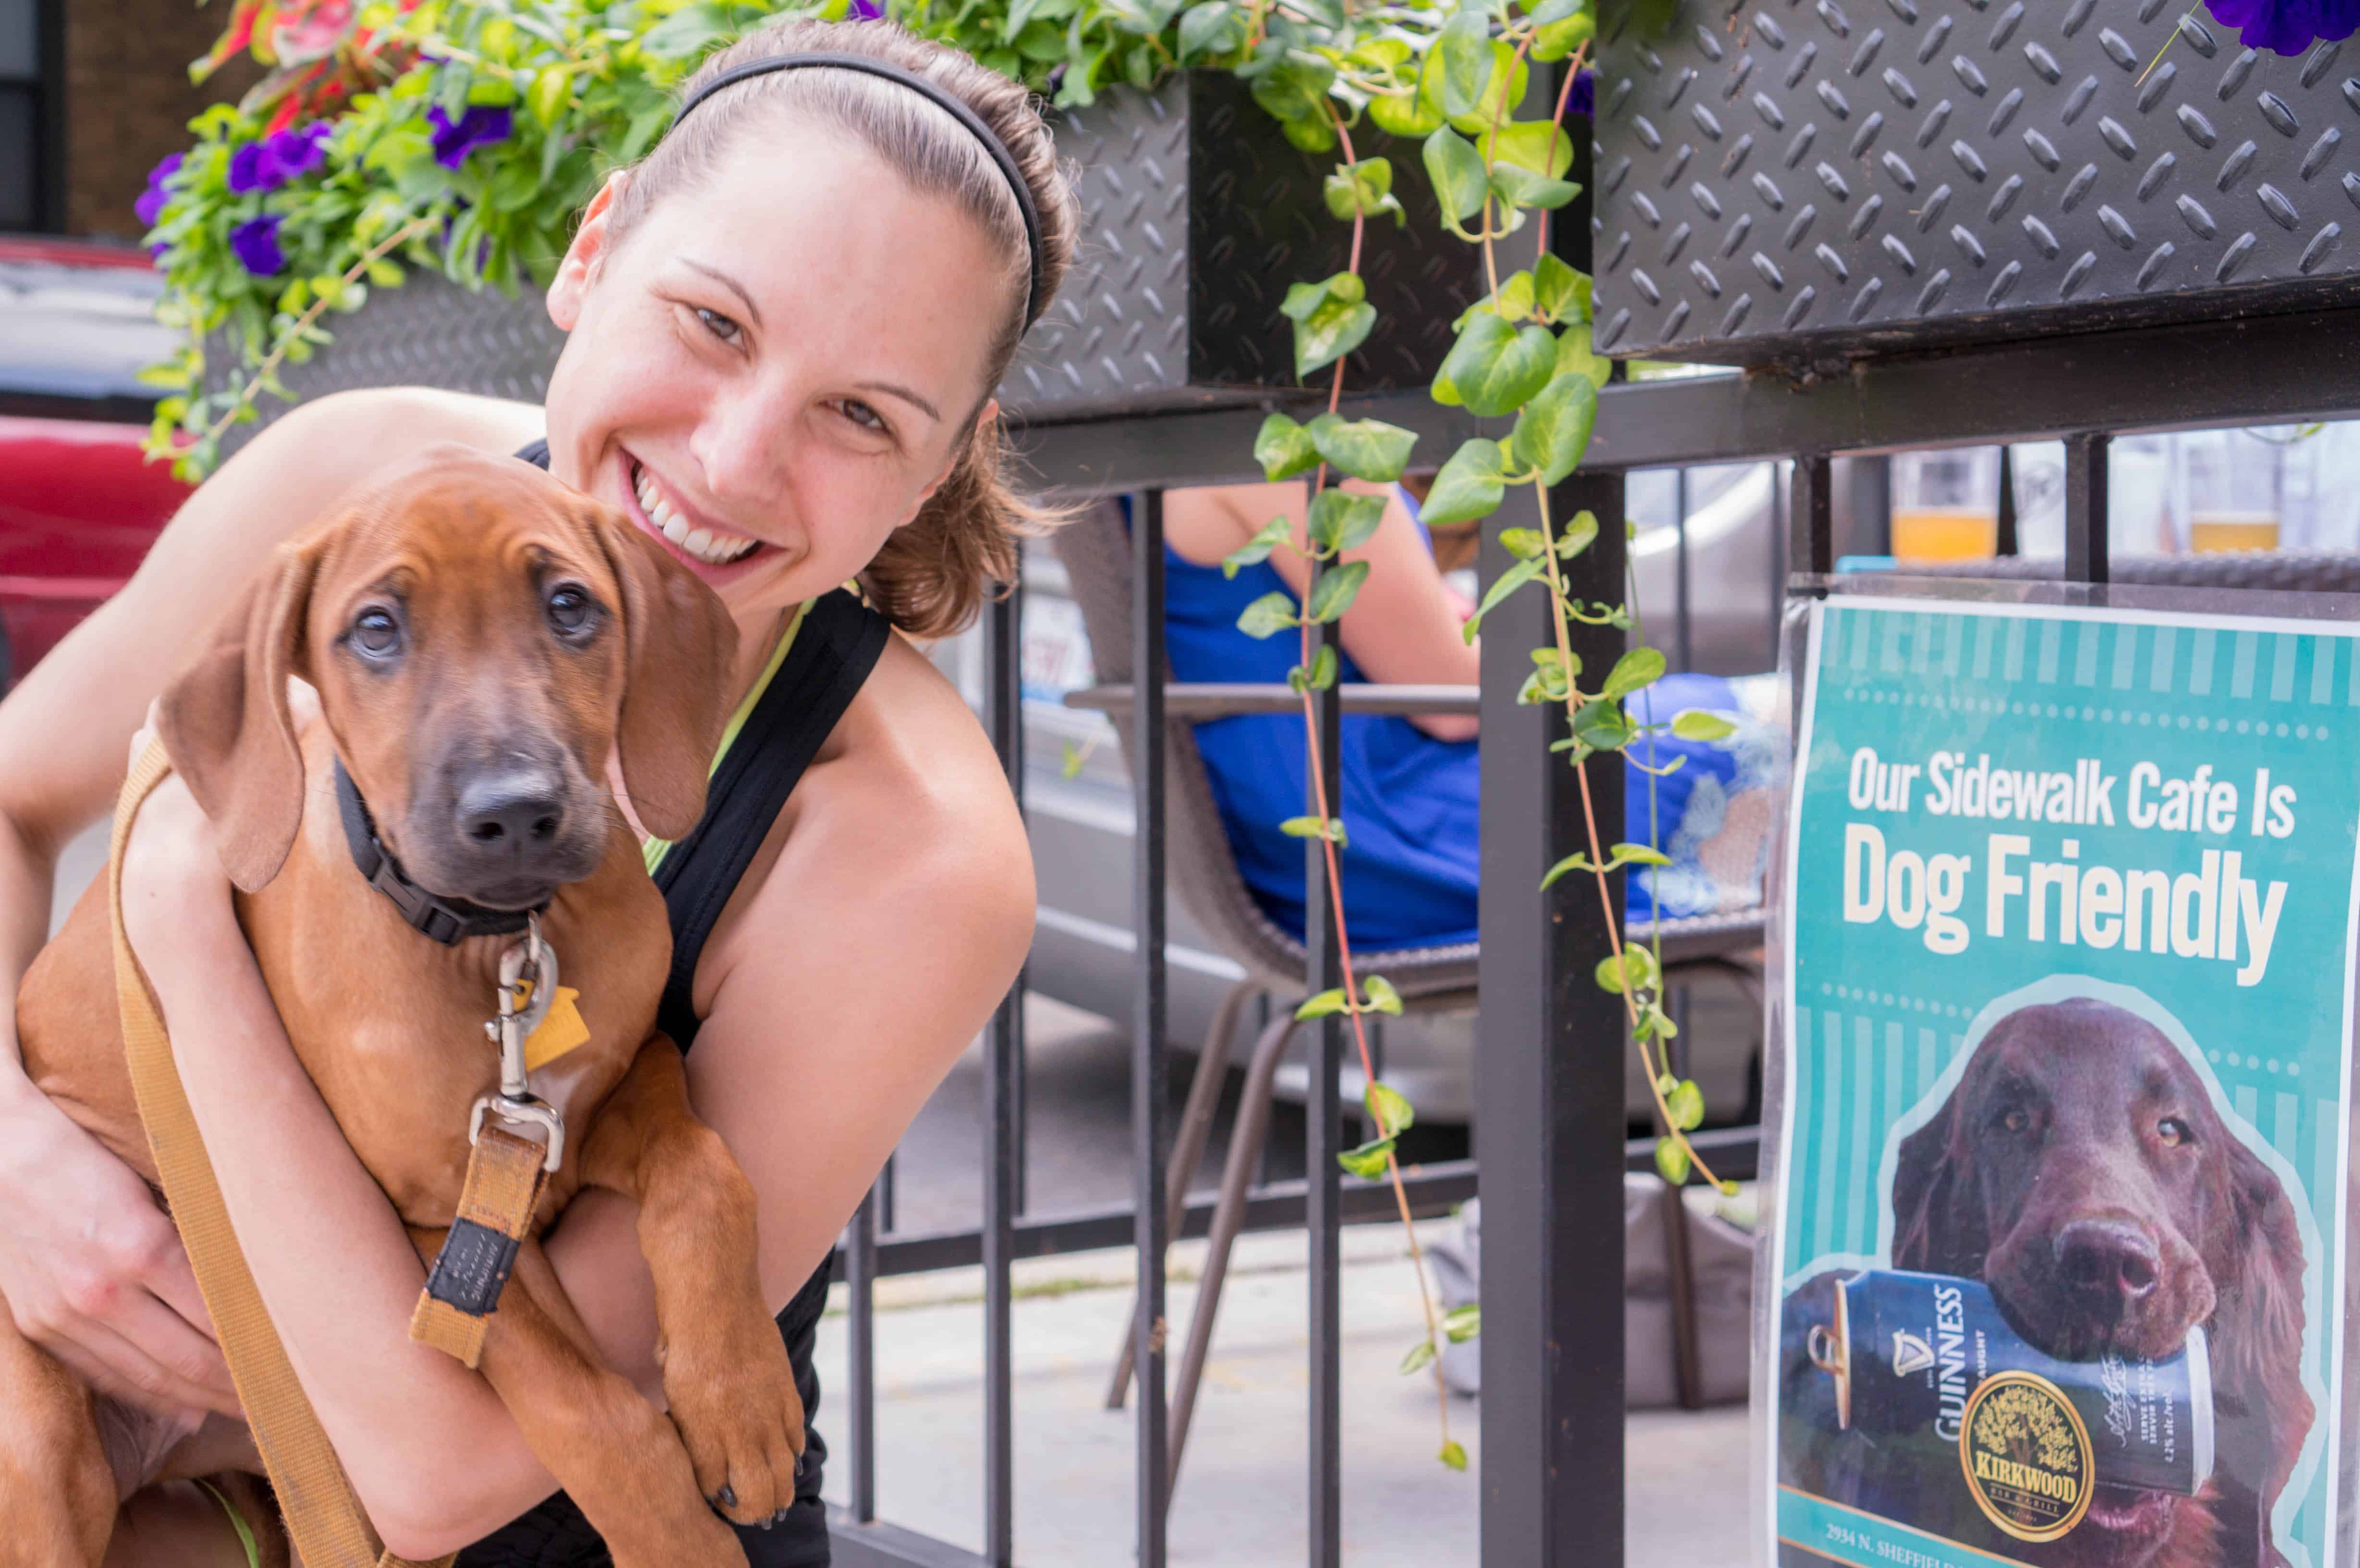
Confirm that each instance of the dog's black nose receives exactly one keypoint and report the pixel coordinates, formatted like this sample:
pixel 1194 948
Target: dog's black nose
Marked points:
pixel 513 813
pixel 2111 1258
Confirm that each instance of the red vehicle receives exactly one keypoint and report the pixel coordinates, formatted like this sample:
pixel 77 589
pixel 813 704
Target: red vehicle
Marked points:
pixel 78 504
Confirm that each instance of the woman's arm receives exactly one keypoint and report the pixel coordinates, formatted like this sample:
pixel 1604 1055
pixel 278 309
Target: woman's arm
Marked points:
pixel 821 1008
pixel 1403 627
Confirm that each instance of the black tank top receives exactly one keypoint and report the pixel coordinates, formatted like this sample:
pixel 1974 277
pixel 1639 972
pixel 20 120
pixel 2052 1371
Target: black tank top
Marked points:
pixel 833 652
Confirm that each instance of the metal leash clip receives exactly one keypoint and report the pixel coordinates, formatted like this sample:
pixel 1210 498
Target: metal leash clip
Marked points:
pixel 527 987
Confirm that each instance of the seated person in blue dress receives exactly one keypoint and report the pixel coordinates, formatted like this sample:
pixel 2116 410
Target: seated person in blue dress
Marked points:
pixel 1411 785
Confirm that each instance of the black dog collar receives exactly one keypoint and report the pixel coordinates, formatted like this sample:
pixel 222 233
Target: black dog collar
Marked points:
pixel 447 920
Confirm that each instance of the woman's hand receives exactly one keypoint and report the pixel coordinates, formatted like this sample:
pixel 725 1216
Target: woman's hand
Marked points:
pixel 91 1268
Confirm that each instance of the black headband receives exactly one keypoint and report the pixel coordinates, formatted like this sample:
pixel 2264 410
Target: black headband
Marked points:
pixel 933 93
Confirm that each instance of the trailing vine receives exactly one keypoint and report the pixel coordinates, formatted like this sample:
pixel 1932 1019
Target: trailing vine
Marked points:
pixel 462 135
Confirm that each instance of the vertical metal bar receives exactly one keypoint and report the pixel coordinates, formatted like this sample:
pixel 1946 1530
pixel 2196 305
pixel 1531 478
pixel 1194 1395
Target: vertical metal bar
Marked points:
pixel 1149 1088
pixel 2003 542
pixel 1323 970
pixel 1003 1169
pixel 1549 1087
pixel 1810 516
pixel 1683 642
pixel 885 1193
pixel 861 1282
pixel 2086 559
pixel 1872 506
pixel 1777 561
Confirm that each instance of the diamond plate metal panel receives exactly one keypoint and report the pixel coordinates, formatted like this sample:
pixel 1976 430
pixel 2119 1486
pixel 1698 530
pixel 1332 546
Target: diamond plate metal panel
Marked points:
pixel 1795 180
pixel 1197 213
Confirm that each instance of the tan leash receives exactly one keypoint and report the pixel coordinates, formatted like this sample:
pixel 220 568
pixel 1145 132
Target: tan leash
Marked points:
pixel 504 1175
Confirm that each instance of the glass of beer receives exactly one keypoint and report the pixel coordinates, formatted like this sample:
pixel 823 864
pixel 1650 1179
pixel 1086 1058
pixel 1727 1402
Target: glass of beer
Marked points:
pixel 2235 490
pixel 1946 504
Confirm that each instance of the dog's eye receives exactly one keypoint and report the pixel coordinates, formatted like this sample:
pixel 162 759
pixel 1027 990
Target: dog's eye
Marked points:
pixel 2171 1132
pixel 377 634
pixel 568 611
pixel 2017 1120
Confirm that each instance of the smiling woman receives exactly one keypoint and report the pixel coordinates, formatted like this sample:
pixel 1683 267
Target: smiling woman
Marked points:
pixel 785 324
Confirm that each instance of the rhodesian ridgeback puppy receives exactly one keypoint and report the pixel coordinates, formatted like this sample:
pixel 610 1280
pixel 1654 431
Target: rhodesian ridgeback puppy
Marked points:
pixel 482 639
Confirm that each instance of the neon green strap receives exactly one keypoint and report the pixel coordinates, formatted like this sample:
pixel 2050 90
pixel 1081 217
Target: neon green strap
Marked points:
pixel 237 1522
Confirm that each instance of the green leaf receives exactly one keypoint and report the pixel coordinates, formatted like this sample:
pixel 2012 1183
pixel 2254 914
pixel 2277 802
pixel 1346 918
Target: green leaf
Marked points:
pixel 1576 357
pixel 1527 544
pixel 1556 290
pixel 1337 587
pixel 1601 725
pixel 1672 1160
pixel 1495 367
pixel 1455 170
pixel 1468 61
pixel 1535 147
pixel 1368 1161
pixel 1268 538
pixel 1577 535
pixel 1268 615
pixel 1502 89
pixel 1515 577
pixel 551 90
pixel 1384 998
pixel 1321 1006
pixel 1387 1106
pixel 1463 1323
pixel 1365 449
pixel 1070 765
pixel 1686 1104
pixel 1296 89
pixel 1319 678
pixel 1469 485
pixel 1695 723
pixel 1215 28
pixel 1549 11
pixel 1553 432
pixel 1514 301
pixel 1454 1453
pixel 1639 854
pixel 1314 827
pixel 1341 520
pixel 1555 40
pixel 1405 115
pixel 1283 448
pixel 1363 189
pixel 1639 667
pixel 1569 865
pixel 1521 188
pixel 1419 1354
pixel 1333 331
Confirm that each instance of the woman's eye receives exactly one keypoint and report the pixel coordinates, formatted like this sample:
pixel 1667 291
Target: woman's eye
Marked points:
pixel 719 325
pixel 569 610
pixel 861 414
pixel 377 634
pixel 2171 1132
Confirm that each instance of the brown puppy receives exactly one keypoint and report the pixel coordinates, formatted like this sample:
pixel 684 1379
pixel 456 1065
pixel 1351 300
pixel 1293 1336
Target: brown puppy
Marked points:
pixel 482 640
pixel 2080 1170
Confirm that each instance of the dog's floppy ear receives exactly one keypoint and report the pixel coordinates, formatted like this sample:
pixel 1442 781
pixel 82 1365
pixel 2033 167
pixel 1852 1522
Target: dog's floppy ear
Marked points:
pixel 224 719
pixel 679 641
pixel 2258 1337
pixel 1933 1230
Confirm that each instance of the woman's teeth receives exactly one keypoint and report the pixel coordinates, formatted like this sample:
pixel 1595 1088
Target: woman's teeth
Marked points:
pixel 714 549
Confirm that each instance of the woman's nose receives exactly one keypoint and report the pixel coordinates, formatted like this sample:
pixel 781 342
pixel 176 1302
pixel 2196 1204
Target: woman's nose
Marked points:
pixel 743 445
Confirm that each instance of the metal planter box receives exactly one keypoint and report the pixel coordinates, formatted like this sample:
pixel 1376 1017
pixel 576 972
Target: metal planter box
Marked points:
pixel 1197 216
pixel 1800 180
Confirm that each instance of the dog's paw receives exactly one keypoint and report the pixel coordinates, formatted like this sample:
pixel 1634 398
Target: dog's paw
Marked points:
pixel 733 1396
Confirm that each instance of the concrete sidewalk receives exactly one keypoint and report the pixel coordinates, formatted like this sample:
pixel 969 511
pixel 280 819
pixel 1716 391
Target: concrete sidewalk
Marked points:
pixel 1240 1503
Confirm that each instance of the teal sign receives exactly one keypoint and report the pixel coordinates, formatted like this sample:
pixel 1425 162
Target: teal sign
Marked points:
pixel 2071 906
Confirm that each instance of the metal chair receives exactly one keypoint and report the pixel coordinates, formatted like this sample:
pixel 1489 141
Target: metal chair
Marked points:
pixel 1096 550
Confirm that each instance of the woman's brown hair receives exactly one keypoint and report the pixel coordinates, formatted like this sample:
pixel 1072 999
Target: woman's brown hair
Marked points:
pixel 933 571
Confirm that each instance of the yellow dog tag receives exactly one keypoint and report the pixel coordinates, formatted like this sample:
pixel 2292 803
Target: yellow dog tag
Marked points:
pixel 560 1031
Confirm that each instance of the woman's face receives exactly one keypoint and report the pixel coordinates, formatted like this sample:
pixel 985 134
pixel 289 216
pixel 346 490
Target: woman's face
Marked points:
pixel 769 372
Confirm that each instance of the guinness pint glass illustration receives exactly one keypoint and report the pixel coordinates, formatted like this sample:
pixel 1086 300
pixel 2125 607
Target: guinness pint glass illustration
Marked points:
pixel 1926 1363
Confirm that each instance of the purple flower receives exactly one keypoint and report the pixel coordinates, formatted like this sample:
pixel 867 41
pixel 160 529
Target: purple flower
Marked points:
pixel 273 161
pixel 255 245
pixel 1582 97
pixel 863 11
pixel 2286 26
pixel 481 126
pixel 150 204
